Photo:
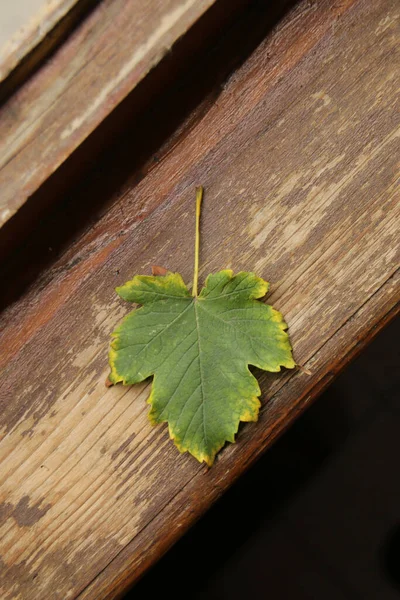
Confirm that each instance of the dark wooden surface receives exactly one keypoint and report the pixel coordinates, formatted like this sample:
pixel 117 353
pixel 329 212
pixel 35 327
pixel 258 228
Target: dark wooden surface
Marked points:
pixel 296 150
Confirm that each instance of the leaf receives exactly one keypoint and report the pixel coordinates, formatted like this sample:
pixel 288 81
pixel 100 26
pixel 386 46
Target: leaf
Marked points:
pixel 198 350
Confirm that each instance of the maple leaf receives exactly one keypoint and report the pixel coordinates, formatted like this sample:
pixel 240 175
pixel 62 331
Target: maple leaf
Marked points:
pixel 198 349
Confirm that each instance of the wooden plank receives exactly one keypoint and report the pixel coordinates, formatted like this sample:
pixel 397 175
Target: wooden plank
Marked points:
pixel 102 60
pixel 37 32
pixel 298 157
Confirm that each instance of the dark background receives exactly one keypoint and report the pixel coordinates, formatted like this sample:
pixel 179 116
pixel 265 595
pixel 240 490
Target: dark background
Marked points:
pixel 318 517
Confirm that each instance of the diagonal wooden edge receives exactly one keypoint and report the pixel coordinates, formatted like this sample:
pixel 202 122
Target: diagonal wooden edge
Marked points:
pixel 80 85
pixel 50 23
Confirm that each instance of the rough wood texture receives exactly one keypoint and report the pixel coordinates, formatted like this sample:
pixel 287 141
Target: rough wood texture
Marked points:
pixel 47 119
pixel 298 157
pixel 31 35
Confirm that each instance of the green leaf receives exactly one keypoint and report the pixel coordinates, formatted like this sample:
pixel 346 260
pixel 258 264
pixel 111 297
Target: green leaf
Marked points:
pixel 198 349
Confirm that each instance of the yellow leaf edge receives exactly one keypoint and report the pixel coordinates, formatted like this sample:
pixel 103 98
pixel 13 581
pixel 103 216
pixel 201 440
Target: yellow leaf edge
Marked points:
pixel 246 416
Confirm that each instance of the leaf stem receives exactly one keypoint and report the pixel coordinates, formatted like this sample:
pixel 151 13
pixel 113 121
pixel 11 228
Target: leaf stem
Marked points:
pixel 199 197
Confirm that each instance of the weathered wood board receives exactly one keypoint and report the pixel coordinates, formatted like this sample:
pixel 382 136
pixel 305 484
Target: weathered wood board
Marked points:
pixel 36 31
pixel 299 158
pixel 52 113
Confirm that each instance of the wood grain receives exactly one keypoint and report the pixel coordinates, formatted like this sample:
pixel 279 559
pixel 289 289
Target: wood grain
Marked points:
pixel 47 119
pixel 297 154
pixel 41 29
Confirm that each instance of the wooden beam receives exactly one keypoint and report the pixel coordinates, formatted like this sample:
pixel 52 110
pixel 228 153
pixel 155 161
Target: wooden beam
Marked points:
pixel 101 62
pixel 36 39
